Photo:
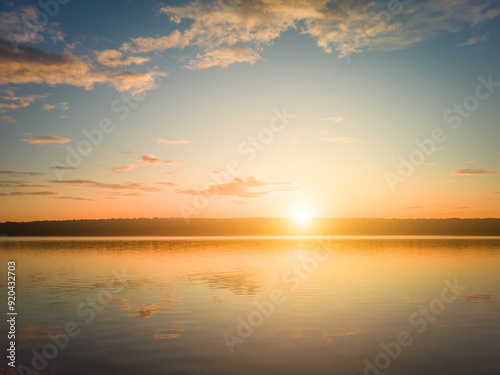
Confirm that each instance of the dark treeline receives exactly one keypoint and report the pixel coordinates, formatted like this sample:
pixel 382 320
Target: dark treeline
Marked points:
pixel 252 226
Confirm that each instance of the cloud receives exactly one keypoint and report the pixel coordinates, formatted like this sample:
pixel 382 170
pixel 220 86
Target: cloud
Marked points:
pixel 476 172
pixel 31 65
pixel 472 41
pixel 15 102
pixel 333 120
pixel 18 184
pixel 342 139
pixel 116 194
pixel 224 57
pixel 172 141
pixel 248 187
pixel 153 160
pixel 65 168
pixel 115 58
pixel 135 82
pixel 125 168
pixel 48 107
pixel 8 119
pixel 168 173
pixel 102 185
pixel 29 194
pixel 46 139
pixel 344 26
pixel 20 174
pixel 76 198
pixel 23 26
pixel 497 192
pixel 167 183
pixel 141 45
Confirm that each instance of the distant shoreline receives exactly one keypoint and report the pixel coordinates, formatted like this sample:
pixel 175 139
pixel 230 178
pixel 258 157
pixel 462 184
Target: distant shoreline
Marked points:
pixel 253 227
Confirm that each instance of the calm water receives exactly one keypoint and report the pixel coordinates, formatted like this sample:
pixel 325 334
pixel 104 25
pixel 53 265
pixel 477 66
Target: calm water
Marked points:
pixel 193 305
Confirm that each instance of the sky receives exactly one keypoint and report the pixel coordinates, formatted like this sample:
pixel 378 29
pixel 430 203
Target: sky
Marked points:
pixel 258 108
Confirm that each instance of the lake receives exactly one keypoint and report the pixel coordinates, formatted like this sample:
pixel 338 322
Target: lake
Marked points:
pixel 255 305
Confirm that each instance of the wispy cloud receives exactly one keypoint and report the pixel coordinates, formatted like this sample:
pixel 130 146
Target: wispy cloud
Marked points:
pixel 169 173
pixel 9 119
pixel 18 184
pixel 19 173
pixel 248 187
pixel 29 194
pixel 477 172
pixel 14 101
pixel 153 160
pixel 125 168
pixel 172 141
pixel 224 57
pixel 334 120
pixel 14 26
pixel 49 107
pixel 65 168
pixel 102 185
pixel 475 40
pixel 31 65
pixel 39 139
pixel 115 58
pixel 341 26
pixel 76 198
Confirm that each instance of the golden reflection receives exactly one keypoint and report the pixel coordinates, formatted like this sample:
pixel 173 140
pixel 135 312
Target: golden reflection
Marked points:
pixel 328 335
pixel 38 332
pixel 239 282
pixel 173 332
pixel 147 311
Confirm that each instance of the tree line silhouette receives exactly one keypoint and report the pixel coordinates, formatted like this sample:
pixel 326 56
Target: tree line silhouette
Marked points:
pixel 252 227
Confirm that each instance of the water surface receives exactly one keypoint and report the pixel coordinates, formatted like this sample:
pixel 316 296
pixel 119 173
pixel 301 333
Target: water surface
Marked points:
pixel 191 305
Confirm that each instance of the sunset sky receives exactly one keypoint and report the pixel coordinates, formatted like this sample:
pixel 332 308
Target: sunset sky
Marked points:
pixel 114 109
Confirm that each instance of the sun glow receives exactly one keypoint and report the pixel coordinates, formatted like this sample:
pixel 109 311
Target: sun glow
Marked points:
pixel 302 217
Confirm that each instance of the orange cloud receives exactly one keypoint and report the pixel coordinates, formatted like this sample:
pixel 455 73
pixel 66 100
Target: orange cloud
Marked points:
pixel 223 57
pixel 19 173
pixel 31 65
pixel 15 102
pixel 102 185
pixel 121 169
pixel 141 45
pixel 153 160
pixel 172 141
pixel 46 139
pixel 248 187
pixel 29 194
pixel 18 184
pixel 115 58
pixel 476 172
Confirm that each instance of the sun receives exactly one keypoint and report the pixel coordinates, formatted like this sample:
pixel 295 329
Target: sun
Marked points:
pixel 302 217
